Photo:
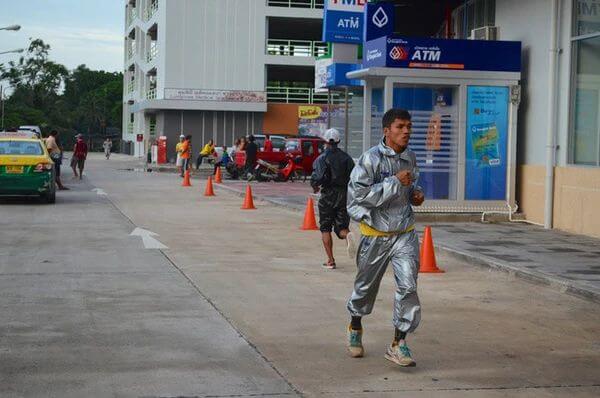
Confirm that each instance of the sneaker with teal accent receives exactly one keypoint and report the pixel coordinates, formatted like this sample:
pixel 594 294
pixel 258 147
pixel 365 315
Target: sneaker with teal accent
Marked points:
pixel 355 343
pixel 400 355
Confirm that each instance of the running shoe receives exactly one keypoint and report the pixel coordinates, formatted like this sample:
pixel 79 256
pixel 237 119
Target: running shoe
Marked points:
pixel 400 355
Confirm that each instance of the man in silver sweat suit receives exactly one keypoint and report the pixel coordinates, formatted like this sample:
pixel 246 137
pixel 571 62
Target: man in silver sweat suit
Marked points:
pixel 381 191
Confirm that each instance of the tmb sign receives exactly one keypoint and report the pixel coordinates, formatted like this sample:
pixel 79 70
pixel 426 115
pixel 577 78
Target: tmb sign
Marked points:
pixel 343 21
pixel 426 53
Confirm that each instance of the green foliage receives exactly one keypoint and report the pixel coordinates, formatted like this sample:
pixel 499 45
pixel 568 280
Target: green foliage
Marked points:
pixel 45 93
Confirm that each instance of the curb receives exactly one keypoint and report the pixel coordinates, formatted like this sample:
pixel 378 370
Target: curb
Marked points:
pixel 563 285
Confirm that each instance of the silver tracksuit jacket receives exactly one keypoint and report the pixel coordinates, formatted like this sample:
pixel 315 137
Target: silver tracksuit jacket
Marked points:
pixel 377 198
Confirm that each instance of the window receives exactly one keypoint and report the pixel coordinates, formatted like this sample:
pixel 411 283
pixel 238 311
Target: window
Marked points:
pixel 20 148
pixel 584 141
pixel 307 148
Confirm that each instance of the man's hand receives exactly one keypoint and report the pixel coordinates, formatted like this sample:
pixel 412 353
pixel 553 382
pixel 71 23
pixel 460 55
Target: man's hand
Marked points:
pixel 405 177
pixel 417 198
pixel 316 189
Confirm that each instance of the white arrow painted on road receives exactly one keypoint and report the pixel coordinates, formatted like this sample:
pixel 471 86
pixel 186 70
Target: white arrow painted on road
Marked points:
pixel 99 191
pixel 147 239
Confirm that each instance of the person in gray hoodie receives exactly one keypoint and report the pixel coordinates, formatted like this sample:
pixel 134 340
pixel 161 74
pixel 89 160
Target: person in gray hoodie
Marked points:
pixel 381 192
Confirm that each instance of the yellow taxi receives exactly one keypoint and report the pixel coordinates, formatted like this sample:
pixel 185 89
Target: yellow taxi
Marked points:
pixel 26 167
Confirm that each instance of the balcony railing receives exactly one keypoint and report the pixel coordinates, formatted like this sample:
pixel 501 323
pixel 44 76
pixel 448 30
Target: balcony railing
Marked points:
pixel 297 3
pixel 296 48
pixel 131 52
pixel 151 10
pixel 131 86
pixel 132 14
pixel 297 95
pixel 152 52
pixel 130 128
pixel 151 93
pixel 153 127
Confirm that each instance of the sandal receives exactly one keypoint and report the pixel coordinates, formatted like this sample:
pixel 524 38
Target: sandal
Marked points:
pixel 328 265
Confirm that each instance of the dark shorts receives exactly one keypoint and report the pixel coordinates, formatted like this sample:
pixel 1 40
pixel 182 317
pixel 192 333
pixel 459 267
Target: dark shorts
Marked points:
pixel 332 212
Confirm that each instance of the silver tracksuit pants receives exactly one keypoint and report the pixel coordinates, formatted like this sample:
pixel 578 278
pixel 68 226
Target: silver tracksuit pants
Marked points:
pixel 374 255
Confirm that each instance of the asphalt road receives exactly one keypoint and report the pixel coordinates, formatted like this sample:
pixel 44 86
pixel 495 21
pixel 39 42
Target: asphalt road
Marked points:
pixel 236 305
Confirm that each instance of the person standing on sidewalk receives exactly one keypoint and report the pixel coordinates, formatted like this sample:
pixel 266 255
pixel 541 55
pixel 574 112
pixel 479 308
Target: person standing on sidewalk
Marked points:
pixel 331 173
pixel 381 191
pixel 186 152
pixel 80 151
pixel 251 151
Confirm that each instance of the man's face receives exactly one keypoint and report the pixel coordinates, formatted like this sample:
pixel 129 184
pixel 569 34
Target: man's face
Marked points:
pixel 398 134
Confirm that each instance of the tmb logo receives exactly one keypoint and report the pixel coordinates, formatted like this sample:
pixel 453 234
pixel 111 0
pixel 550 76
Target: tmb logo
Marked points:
pixel 399 53
pixel 346 5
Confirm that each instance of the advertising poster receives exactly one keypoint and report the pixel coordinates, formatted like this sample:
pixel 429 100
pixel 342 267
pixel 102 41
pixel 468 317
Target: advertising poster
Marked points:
pixel 312 119
pixel 487 141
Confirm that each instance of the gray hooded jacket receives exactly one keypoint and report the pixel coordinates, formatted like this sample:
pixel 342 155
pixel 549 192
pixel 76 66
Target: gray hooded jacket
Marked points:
pixel 376 196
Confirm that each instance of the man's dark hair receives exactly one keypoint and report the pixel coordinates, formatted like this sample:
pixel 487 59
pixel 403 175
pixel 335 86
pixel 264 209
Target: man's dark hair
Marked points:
pixel 54 133
pixel 188 137
pixel 393 114
pixel 251 138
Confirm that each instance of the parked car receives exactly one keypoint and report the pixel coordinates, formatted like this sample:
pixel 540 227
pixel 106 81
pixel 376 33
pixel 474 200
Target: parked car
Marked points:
pixel 26 167
pixel 33 129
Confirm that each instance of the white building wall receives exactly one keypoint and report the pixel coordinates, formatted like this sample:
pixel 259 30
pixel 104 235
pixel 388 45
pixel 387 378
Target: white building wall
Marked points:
pixel 529 22
pixel 214 44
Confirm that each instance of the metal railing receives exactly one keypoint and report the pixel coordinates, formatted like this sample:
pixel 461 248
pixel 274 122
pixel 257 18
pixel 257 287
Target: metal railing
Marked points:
pixel 300 95
pixel 296 48
pixel 130 128
pixel 131 51
pixel 152 52
pixel 151 10
pixel 132 14
pixel 153 128
pixel 131 86
pixel 151 93
pixel 297 3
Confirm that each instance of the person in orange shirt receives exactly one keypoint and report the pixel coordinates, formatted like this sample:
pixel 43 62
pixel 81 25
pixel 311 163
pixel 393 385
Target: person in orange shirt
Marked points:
pixel 186 151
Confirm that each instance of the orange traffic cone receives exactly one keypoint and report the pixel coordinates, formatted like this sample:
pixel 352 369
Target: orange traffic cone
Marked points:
pixel 186 179
pixel 209 188
pixel 309 224
pixel 427 255
pixel 218 176
pixel 248 201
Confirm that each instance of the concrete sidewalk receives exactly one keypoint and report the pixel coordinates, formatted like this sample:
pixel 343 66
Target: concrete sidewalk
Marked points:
pixel 569 262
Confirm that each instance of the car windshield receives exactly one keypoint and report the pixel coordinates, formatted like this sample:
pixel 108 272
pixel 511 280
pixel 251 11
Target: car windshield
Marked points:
pixel 292 145
pixel 20 148
pixel 278 143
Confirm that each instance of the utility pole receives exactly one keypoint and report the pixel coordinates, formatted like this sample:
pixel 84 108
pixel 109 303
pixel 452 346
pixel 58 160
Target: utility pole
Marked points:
pixel 2 102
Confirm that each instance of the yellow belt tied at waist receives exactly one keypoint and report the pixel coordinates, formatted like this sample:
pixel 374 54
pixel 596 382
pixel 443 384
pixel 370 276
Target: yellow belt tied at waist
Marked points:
pixel 367 230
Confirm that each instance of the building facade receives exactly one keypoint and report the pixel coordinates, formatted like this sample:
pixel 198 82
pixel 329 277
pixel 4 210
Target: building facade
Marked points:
pixel 558 180
pixel 218 69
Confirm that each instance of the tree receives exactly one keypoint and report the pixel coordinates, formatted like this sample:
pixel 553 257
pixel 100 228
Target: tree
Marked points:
pixel 35 77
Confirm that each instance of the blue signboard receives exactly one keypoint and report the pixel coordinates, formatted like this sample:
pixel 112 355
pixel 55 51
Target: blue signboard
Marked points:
pixel 427 53
pixel 343 21
pixel 487 143
pixel 336 75
pixel 378 20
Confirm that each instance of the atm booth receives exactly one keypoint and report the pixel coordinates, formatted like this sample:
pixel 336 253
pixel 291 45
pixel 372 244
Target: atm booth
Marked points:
pixel 463 96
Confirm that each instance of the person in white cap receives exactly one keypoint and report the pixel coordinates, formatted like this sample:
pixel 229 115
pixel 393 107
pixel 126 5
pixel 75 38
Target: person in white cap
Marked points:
pixel 178 149
pixel 331 174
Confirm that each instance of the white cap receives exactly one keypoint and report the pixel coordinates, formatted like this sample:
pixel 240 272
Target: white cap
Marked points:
pixel 182 136
pixel 332 135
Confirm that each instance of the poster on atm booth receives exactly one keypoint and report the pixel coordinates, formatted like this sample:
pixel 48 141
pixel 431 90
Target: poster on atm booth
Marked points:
pixel 486 143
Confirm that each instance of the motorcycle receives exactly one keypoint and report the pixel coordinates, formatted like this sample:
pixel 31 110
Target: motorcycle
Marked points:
pixel 290 171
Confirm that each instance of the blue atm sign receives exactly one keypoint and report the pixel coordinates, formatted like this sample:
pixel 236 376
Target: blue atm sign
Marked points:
pixel 343 21
pixel 426 53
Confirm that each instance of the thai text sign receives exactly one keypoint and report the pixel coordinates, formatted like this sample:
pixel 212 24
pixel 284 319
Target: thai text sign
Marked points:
pixel 214 95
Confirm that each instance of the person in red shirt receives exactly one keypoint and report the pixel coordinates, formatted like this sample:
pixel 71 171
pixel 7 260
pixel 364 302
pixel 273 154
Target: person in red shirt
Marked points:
pixel 80 151
pixel 268 144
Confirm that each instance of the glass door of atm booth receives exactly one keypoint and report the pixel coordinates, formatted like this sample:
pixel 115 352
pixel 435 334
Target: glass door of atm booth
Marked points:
pixel 464 139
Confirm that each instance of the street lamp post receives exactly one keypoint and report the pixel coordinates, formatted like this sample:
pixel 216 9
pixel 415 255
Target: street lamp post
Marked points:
pixel 12 27
pixel 18 51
